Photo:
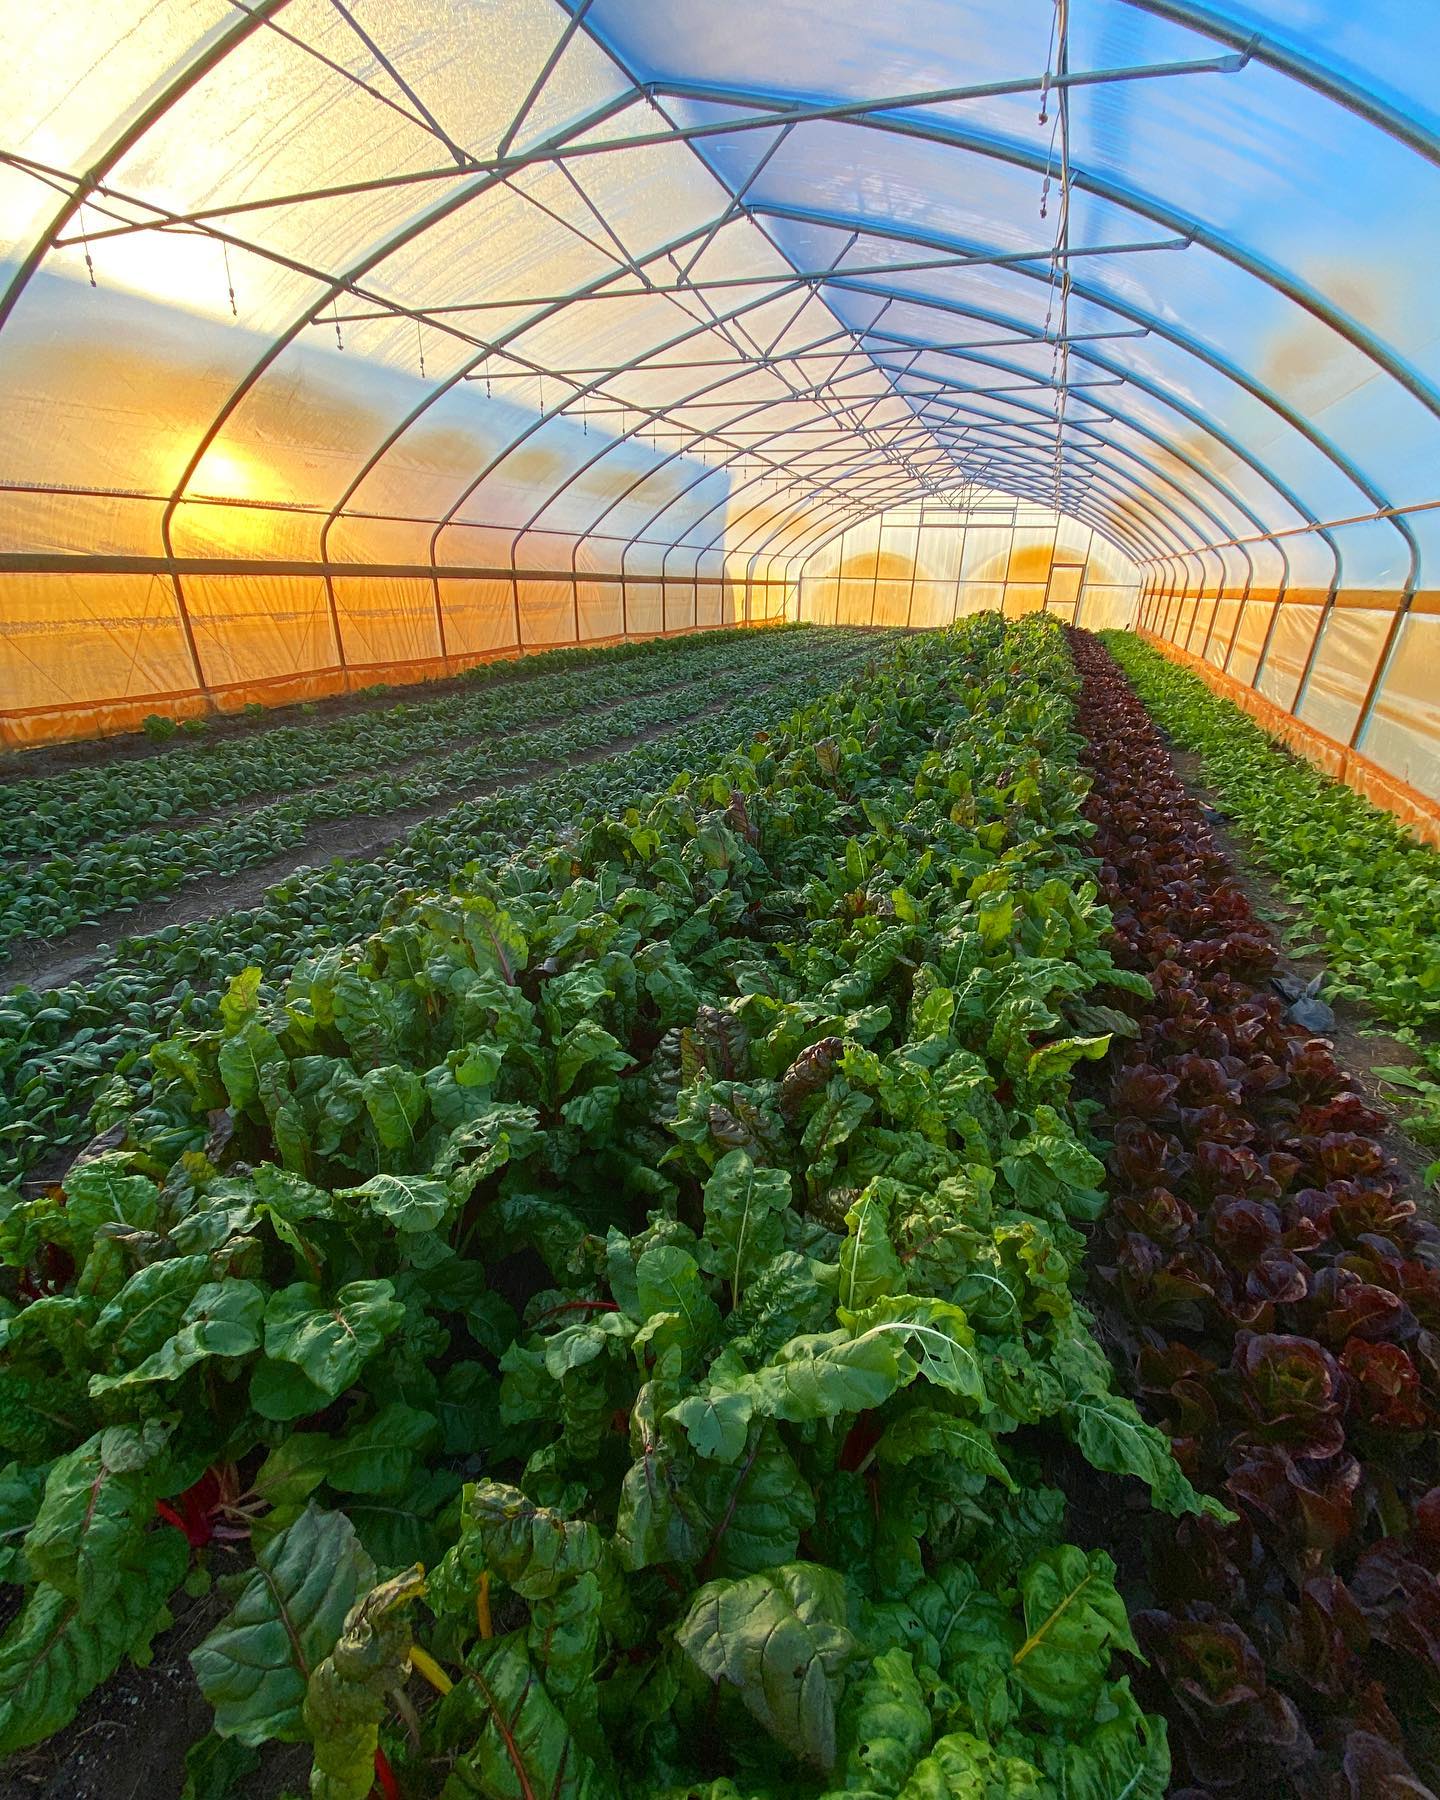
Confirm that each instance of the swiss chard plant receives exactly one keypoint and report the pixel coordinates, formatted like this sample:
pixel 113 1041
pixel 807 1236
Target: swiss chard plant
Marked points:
pixel 59 1048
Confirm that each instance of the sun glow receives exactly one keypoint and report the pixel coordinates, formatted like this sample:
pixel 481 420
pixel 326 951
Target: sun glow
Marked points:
pixel 222 475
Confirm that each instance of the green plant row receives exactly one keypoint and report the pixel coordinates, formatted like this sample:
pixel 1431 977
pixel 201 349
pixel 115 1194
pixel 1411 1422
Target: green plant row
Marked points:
pixel 580 710
pixel 59 1046
pixel 707 1190
pixel 1368 893
pixel 54 813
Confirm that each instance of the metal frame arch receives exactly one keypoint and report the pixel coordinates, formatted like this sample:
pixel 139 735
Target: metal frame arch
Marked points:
pixel 1103 187
pixel 226 37
pixel 1182 341
pixel 1304 69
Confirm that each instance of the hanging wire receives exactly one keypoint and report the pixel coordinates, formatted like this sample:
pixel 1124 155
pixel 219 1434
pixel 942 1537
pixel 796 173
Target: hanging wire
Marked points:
pixel 339 341
pixel 420 346
pixel 229 278
pixel 85 240
pixel 1049 72
pixel 1060 366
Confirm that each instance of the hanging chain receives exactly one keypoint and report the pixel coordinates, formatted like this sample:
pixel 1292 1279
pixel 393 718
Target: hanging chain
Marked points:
pixel 420 346
pixel 339 341
pixel 229 278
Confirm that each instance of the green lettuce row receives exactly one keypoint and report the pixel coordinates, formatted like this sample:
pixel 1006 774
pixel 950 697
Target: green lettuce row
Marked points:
pixel 89 880
pixel 59 1046
pixel 1367 892
pixel 707 1188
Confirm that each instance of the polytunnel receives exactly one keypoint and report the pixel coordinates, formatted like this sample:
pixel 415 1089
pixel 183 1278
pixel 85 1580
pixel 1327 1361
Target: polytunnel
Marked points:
pixel 337 347
pixel 720 899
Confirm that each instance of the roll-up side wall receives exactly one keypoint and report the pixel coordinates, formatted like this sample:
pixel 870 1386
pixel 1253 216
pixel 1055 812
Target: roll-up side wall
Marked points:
pixel 1345 672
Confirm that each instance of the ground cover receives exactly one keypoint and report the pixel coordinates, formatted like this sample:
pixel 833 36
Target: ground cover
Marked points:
pixel 125 783
pixel 411 756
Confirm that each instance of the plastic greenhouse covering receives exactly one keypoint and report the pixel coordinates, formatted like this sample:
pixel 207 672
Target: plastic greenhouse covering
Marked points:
pixel 344 341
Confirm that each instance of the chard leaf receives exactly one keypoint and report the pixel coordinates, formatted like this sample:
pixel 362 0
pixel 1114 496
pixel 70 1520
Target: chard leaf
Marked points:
pixel 758 1507
pixel 1073 1620
pixel 884 1725
pixel 54 1654
pixel 1112 1436
pixel 780 1640
pixel 222 1319
pixel 923 1431
pixel 243 1058
pixel 408 1202
pixel 254 1667
pixel 1125 1757
pixel 497 943
pixel 96 1502
pixel 743 1229
pixel 395 1101
pixel 667 1280
pixel 563 1637
pixel 346 1697
pixel 378 1457
pixel 21 1489
pixel 330 1343
pixel 513 1740
pixel 534 1548
pixel 869 1267
pixel 1061 1056
pixel 148 1309
pixel 962 1767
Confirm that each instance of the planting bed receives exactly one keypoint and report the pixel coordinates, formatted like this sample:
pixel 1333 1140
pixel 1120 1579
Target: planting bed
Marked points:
pixel 64 1033
pixel 1366 895
pixel 108 845
pixel 825 1276
pixel 670 1242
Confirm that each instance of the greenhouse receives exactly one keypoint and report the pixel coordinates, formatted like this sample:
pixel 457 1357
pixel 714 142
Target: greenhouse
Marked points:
pixel 720 950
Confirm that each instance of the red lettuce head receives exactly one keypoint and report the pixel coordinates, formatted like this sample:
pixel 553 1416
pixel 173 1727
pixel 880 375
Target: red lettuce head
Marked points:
pixel 1293 1390
pixel 1385 1392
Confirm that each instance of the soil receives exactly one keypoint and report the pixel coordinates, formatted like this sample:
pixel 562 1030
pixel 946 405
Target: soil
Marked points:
pixel 1361 1045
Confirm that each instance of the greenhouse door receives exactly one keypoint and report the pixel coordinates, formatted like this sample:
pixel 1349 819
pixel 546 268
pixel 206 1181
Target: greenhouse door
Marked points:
pixel 1064 589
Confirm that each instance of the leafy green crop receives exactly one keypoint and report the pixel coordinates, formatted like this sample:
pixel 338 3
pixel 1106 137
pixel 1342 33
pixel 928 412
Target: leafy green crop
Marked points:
pixel 59 1047
pixel 443 748
pixel 1368 893
pixel 670 1243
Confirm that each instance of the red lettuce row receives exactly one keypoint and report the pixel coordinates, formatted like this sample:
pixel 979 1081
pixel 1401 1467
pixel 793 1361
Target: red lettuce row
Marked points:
pixel 1277 1298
